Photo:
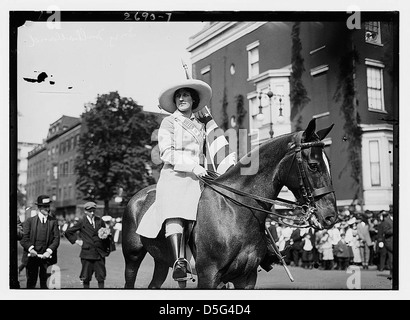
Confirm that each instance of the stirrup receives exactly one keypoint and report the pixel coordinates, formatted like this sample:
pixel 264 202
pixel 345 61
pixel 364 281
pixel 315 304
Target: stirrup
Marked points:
pixel 188 271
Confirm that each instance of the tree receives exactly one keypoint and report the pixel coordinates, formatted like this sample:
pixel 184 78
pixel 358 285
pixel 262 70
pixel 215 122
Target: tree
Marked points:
pixel 347 95
pixel 112 151
pixel 298 93
pixel 240 114
pixel 225 119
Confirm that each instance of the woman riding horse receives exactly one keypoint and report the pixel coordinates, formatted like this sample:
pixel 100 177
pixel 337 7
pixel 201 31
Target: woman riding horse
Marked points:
pixel 180 140
pixel 228 239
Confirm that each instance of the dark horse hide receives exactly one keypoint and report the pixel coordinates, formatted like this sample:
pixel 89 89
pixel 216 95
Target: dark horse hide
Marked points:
pixel 228 240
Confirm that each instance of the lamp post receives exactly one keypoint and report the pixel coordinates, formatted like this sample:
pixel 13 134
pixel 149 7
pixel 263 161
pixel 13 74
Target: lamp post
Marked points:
pixel 260 116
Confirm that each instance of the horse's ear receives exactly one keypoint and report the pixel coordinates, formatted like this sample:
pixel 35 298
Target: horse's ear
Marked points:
pixel 324 132
pixel 310 130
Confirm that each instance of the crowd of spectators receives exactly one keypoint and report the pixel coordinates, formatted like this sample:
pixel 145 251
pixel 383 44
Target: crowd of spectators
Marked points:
pixel 115 224
pixel 354 240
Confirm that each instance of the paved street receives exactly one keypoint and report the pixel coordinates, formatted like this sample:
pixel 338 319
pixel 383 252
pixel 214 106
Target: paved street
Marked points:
pixel 70 266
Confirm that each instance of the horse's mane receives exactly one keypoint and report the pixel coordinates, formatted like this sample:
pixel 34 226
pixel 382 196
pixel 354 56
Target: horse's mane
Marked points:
pixel 276 144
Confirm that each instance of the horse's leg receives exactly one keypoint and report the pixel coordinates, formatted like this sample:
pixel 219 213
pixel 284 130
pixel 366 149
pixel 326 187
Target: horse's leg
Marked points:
pixel 132 264
pixel 251 280
pixel 210 279
pixel 159 276
pixel 246 282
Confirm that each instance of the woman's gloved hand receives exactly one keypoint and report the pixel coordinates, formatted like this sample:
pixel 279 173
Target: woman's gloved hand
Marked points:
pixel 199 171
pixel 204 115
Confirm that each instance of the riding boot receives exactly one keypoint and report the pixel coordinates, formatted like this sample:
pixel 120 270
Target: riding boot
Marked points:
pixel 180 267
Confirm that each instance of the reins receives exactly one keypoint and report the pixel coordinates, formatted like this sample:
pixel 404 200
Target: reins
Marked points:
pixel 290 204
pixel 307 208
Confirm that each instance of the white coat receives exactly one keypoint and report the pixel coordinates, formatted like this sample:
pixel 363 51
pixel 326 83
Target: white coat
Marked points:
pixel 180 142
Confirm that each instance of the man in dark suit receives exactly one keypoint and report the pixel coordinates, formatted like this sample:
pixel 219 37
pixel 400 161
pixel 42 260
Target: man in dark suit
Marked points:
pixel 93 249
pixel 385 240
pixel 41 239
pixel 296 247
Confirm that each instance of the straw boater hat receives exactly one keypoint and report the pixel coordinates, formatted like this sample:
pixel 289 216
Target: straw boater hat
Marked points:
pixel 166 97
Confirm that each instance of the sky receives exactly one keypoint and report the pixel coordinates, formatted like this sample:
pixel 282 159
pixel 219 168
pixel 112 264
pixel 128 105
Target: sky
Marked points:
pixel 85 59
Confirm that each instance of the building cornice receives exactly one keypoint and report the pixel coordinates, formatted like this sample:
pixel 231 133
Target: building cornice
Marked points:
pixel 272 73
pixel 376 127
pixel 40 148
pixel 57 135
pixel 318 70
pixel 217 36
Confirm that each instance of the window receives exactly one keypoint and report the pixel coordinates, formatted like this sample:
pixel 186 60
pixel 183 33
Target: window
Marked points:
pixel 320 92
pixel 232 69
pixel 71 167
pixel 55 172
pixel 374 162
pixel 372 32
pixel 254 109
pixel 206 77
pixel 65 168
pixel 253 59
pixel 375 87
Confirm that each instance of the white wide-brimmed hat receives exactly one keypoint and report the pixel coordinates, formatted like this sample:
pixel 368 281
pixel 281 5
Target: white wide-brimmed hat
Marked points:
pixel 166 97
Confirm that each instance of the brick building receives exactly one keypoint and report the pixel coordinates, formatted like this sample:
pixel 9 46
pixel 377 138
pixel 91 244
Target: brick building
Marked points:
pixel 245 60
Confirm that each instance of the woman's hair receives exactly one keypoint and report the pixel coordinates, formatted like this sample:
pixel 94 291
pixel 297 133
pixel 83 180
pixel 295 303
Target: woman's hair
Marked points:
pixel 194 94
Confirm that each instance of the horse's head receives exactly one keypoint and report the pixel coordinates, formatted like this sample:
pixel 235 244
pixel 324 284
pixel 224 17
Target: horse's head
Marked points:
pixel 306 173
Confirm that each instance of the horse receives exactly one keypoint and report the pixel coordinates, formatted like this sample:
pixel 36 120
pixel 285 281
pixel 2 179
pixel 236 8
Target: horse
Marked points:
pixel 228 239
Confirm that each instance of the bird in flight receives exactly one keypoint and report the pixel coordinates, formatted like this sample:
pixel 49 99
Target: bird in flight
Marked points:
pixel 40 78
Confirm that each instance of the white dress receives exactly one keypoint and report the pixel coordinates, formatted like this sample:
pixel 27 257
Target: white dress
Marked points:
pixel 180 142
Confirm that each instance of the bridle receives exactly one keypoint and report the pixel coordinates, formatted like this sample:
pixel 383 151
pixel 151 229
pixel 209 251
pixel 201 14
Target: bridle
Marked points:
pixel 303 209
pixel 308 192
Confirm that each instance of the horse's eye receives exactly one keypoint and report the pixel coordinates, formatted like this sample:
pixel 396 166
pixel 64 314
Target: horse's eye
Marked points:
pixel 313 166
